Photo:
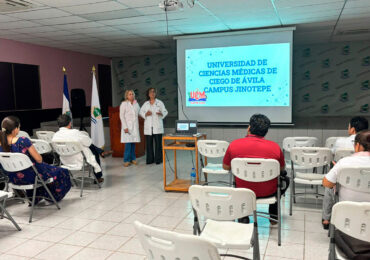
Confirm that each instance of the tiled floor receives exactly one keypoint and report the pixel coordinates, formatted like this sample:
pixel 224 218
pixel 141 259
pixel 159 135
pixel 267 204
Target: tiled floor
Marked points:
pixel 99 225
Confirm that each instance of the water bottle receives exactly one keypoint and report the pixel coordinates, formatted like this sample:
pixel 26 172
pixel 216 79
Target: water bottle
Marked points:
pixel 192 176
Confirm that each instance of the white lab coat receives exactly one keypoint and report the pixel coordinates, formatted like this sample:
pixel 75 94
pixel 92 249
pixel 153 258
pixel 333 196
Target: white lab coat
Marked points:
pixel 128 113
pixel 74 135
pixel 153 121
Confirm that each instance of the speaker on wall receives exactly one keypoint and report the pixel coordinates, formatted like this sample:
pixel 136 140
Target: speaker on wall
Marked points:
pixel 78 101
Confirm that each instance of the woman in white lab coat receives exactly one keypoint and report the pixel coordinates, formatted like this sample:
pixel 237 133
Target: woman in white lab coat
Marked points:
pixel 128 113
pixel 153 111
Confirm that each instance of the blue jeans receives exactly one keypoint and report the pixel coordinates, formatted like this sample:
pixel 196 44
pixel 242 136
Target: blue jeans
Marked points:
pixel 129 154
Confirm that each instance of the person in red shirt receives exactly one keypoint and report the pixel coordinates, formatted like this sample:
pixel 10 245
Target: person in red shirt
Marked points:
pixel 254 145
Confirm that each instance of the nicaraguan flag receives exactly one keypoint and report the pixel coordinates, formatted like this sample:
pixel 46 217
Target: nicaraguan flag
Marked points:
pixel 97 130
pixel 66 101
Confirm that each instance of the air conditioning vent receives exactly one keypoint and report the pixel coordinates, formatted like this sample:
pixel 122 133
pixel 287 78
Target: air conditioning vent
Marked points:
pixel 7 6
pixel 353 32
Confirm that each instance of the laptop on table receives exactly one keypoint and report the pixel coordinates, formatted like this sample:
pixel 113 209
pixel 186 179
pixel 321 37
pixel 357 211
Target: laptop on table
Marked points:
pixel 186 128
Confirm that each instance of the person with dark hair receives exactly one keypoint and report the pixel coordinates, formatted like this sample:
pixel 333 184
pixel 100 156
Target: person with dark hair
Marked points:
pixel 361 157
pixel 355 125
pixel 254 145
pixel 91 152
pixel 153 111
pixel 10 127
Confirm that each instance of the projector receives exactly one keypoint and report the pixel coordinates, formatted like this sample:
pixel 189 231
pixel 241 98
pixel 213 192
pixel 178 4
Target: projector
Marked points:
pixel 171 5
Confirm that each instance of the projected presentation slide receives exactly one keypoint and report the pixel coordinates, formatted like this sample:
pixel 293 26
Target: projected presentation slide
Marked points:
pixel 238 76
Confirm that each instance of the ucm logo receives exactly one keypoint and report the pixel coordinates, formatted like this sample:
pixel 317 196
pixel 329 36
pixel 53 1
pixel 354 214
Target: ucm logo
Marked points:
pixel 325 109
pixel 346 50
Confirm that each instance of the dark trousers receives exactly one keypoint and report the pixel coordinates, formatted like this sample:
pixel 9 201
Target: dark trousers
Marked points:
pixel 96 152
pixel 273 208
pixel 154 152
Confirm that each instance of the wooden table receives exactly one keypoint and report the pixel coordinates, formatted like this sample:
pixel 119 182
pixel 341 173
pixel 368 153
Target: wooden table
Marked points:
pixel 175 143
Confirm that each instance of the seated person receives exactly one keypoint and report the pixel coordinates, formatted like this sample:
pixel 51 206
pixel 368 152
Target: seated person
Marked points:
pixel 91 152
pixel 356 125
pixel 254 145
pixel 10 127
pixel 361 157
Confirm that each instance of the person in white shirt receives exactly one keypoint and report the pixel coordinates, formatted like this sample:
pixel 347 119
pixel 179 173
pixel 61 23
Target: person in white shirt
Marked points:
pixel 67 133
pixel 361 157
pixel 129 115
pixel 153 111
pixel 356 125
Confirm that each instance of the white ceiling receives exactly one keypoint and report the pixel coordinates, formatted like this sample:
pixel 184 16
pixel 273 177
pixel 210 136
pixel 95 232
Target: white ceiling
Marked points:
pixel 115 28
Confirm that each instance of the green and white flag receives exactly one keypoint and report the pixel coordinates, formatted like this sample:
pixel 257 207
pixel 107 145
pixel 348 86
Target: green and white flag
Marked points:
pixel 97 130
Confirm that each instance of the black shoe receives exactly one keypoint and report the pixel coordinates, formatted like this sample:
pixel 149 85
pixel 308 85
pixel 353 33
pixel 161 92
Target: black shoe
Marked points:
pixel 325 226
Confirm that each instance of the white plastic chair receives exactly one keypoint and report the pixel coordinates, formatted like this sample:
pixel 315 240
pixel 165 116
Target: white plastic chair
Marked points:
pixel 17 162
pixel 167 245
pixel 23 134
pixel 356 178
pixel 260 170
pixel 3 197
pixel 213 149
pixel 330 141
pixel 221 206
pixel 308 158
pixel 342 152
pixel 66 149
pixel 290 142
pixel 41 146
pixel 45 135
pixel 352 218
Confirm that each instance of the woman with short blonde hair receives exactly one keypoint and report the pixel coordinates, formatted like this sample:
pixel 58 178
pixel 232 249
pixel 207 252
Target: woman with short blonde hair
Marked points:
pixel 128 112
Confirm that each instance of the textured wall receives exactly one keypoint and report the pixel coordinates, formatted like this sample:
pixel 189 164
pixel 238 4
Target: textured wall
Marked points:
pixel 332 80
pixel 140 73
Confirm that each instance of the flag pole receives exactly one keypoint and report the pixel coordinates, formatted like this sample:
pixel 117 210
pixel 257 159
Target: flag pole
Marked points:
pixel 93 69
pixel 64 70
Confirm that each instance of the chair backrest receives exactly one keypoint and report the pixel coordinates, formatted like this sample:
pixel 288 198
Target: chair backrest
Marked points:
pixel 66 148
pixel 355 178
pixel 222 203
pixel 352 218
pixel 212 148
pixel 41 146
pixel 330 141
pixel 167 245
pixel 45 135
pixel 255 169
pixel 342 152
pixel 303 141
pixel 310 157
pixel 23 134
pixel 14 162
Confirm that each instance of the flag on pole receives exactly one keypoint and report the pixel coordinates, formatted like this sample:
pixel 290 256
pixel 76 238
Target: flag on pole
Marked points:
pixel 97 130
pixel 66 101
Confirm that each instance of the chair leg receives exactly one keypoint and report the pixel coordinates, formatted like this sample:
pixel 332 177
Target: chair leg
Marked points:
pixel 3 210
pixel 33 199
pixel 291 198
pixel 279 222
pixel 96 179
pixel 256 246
pixel 231 179
pixel 82 179
pixel 51 195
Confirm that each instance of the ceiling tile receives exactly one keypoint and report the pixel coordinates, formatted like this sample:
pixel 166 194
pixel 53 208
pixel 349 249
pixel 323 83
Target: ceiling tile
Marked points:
pixel 78 25
pixel 35 29
pixel 61 20
pixel 18 24
pixel 5 18
pixel 39 14
pixel 130 20
pixel 59 3
pixel 140 3
pixel 94 8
